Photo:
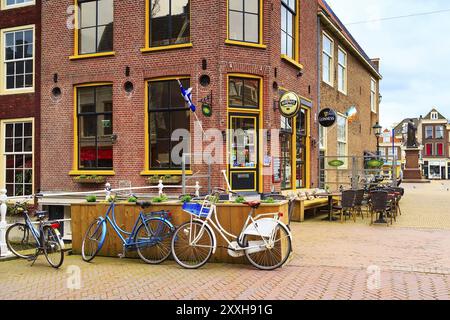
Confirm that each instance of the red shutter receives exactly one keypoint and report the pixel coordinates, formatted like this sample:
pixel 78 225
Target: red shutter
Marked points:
pixel 429 149
pixel 440 148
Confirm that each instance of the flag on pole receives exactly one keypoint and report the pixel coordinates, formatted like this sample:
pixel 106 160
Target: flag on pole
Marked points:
pixel 187 96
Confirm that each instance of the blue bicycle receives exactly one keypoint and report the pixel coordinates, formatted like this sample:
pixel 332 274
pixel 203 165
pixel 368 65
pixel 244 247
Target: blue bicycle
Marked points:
pixel 151 235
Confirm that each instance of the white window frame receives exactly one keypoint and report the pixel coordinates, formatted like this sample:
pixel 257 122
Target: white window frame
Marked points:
pixel 373 95
pixel 434 116
pixel 330 60
pixel 322 138
pixel 437 130
pixel 426 132
pixel 342 141
pixel 3 153
pixel 3 90
pixel 342 67
pixel 5 6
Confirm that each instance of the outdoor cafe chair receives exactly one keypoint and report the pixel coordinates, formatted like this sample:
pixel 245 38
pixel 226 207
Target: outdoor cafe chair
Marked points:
pixel 347 205
pixel 359 202
pixel 380 204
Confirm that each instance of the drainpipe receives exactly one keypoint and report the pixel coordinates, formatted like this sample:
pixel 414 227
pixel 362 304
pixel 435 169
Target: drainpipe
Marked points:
pixel 319 106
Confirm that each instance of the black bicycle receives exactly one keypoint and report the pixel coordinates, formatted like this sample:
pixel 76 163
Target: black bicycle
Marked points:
pixel 26 241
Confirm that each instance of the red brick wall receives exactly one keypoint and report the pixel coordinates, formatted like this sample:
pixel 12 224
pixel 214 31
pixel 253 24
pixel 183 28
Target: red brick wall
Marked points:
pixel 208 33
pixel 25 105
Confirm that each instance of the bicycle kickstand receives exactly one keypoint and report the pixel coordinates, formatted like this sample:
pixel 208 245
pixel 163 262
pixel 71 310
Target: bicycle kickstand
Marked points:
pixel 33 259
pixel 123 254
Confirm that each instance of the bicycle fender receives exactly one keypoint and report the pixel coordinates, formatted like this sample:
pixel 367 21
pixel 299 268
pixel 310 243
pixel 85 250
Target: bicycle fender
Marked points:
pixel 212 233
pixel 162 219
pixel 265 227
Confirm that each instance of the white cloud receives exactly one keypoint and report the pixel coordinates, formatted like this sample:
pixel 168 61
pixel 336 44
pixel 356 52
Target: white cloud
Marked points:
pixel 414 52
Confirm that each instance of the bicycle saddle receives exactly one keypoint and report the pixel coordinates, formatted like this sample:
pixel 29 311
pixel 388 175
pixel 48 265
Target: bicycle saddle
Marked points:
pixel 253 204
pixel 144 204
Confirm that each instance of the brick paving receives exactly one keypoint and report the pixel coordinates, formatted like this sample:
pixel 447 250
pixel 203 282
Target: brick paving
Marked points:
pixel 331 261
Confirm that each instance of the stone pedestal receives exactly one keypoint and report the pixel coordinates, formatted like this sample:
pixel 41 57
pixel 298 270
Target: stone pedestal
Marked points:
pixel 412 168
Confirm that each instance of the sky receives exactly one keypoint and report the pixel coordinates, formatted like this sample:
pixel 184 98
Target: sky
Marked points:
pixel 414 52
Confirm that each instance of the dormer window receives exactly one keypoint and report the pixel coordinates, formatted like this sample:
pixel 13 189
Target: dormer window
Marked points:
pixel 434 116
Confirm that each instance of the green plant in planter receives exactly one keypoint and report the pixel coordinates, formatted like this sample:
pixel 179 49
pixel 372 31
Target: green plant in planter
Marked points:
pixel 239 199
pixel 91 198
pixel 269 200
pixel 132 199
pixel 186 198
pixel 167 176
pixel 83 176
pixel 159 199
pixel 93 177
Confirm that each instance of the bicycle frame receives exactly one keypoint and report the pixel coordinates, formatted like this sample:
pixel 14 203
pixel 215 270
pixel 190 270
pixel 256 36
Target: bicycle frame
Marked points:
pixel 130 241
pixel 224 233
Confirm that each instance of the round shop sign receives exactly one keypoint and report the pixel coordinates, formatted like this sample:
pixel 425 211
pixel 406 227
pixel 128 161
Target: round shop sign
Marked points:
pixel 327 117
pixel 289 105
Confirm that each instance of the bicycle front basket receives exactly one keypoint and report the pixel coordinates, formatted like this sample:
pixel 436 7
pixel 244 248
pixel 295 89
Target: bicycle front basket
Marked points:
pixel 195 209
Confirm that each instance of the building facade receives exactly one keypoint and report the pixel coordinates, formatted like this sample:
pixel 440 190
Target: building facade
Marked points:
pixel 112 102
pixel 20 57
pixel 349 85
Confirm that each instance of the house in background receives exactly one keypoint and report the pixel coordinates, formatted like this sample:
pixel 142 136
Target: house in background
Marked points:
pixel 20 60
pixel 391 152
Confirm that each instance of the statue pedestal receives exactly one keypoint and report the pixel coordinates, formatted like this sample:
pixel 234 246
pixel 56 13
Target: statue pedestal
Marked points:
pixel 412 168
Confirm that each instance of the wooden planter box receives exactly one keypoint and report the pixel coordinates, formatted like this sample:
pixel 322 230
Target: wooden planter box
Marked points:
pixel 96 180
pixel 231 216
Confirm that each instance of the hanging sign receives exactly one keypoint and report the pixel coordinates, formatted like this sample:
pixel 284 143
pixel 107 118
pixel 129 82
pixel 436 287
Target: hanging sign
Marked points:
pixel 327 117
pixel 289 105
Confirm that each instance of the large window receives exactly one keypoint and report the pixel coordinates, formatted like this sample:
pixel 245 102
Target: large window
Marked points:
pixel 18 48
pixel 342 137
pixel 342 71
pixel 95 26
pixel 373 95
pixel 301 148
pixel 243 93
pixel 327 59
pixel 18 155
pixel 169 22
pixel 167 113
pixel 288 28
pixel 95 127
pixel 9 4
pixel 286 153
pixel 244 20
pixel 439 132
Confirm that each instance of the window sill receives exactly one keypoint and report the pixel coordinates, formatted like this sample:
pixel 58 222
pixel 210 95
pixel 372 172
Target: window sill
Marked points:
pixel 16 91
pixel 245 44
pixel 16 6
pixel 292 62
pixel 342 92
pixel 92 172
pixel 164 172
pixel 328 84
pixel 170 47
pixel 92 55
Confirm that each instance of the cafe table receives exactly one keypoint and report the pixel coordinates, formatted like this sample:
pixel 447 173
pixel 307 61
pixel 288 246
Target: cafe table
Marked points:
pixel 330 196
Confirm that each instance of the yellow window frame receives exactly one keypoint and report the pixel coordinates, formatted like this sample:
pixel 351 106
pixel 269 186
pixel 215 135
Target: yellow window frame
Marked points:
pixel 76 37
pixel 75 163
pixel 260 43
pixel 3 90
pixel 148 48
pixel 295 61
pixel 147 170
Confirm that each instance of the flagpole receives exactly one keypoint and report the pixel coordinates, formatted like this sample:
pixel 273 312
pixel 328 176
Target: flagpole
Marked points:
pixel 195 114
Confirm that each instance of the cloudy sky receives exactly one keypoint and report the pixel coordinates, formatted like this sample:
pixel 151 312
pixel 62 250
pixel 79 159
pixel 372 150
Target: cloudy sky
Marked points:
pixel 414 52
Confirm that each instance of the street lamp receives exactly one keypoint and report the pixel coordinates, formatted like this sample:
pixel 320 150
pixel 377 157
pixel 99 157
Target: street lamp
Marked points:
pixel 377 131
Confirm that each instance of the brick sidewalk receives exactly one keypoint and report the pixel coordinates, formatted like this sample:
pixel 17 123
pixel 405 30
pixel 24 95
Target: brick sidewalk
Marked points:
pixel 331 261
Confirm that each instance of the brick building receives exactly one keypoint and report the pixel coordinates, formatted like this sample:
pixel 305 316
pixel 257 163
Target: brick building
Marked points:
pixel 349 85
pixel 20 56
pixel 391 151
pixel 111 100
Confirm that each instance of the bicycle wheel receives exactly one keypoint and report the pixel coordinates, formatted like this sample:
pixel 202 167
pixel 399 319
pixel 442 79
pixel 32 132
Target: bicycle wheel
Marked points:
pixel 52 247
pixel 153 241
pixel 192 256
pixel 21 242
pixel 93 240
pixel 269 258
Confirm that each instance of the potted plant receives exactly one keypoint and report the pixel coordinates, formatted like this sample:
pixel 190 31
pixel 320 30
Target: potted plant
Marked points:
pixel 166 179
pixel 91 198
pixel 90 179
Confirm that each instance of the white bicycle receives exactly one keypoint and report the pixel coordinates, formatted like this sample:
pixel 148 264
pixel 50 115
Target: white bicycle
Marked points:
pixel 264 239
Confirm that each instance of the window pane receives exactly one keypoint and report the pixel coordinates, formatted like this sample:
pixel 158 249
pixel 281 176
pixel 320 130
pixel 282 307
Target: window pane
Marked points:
pixel 160 125
pixel 158 93
pixel 104 99
pixel 237 5
pixel 159 23
pixel 86 100
pixel 341 57
pixel 88 14
pixel 235 92
pixel 251 28
pixel 326 68
pixel 283 43
pixel 105 12
pixel 252 6
pixel 251 93
pixel 236 26
pixel 9 39
pixel 160 154
pixel 327 46
pixel 105 38
pixel 88 44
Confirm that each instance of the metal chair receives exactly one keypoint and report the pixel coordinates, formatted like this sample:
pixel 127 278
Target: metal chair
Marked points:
pixel 359 198
pixel 380 205
pixel 347 205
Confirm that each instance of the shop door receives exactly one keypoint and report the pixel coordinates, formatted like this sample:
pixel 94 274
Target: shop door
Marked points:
pixel 243 150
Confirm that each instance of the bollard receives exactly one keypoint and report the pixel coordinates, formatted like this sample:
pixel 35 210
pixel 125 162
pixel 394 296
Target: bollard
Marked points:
pixel 160 188
pixel 4 252
pixel 197 189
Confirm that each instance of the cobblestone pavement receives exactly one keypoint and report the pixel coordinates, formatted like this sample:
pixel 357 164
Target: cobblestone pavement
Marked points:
pixel 331 261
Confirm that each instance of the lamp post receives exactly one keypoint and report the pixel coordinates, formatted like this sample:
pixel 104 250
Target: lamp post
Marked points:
pixel 377 131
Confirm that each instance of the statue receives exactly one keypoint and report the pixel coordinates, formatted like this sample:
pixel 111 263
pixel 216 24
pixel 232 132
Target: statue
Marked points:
pixel 411 141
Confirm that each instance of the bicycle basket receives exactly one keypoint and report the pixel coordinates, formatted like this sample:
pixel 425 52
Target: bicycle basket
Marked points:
pixel 196 209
